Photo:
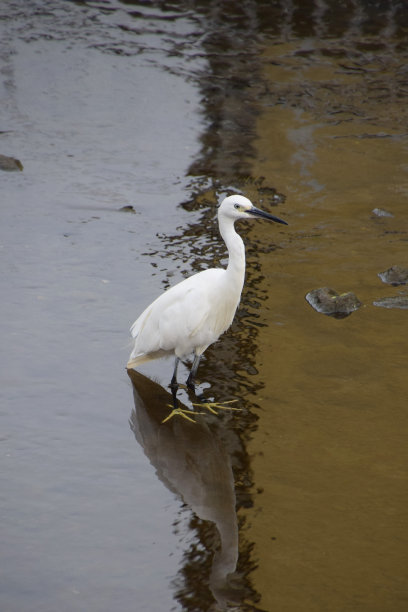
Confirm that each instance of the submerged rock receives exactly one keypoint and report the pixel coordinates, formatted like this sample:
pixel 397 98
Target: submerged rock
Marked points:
pixel 272 195
pixel 399 301
pixel 327 301
pixel 10 164
pixel 396 275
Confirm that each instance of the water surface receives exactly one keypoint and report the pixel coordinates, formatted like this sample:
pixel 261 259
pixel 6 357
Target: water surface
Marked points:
pixel 298 501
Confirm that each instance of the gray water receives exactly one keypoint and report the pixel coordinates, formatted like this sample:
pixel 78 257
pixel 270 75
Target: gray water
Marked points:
pixel 85 523
pixel 298 501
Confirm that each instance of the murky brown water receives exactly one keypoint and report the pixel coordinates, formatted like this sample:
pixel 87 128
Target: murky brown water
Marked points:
pixel 298 502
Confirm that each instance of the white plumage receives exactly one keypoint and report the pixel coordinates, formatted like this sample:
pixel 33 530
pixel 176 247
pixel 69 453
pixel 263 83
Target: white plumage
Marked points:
pixel 193 314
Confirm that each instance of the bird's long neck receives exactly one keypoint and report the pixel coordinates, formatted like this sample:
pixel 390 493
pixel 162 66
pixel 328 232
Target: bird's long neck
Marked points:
pixel 236 252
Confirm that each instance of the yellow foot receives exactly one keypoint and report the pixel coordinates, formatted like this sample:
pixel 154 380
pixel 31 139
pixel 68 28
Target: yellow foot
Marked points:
pixel 214 406
pixel 183 413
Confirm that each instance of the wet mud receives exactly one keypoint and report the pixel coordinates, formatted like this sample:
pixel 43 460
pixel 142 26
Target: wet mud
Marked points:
pixel 296 502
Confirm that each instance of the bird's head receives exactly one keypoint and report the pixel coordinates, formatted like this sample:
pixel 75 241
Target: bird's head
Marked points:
pixel 238 207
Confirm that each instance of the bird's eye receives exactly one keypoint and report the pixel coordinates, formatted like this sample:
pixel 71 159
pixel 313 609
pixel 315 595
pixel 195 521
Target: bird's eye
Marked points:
pixel 237 206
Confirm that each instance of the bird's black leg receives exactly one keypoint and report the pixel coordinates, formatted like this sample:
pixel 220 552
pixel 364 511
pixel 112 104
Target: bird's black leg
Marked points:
pixel 193 372
pixel 176 407
pixel 174 390
pixel 174 383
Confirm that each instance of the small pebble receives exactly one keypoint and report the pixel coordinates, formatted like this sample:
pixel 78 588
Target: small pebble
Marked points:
pixel 379 212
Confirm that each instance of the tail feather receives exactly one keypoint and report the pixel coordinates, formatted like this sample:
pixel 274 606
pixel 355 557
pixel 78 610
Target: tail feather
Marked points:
pixel 140 359
pixel 137 360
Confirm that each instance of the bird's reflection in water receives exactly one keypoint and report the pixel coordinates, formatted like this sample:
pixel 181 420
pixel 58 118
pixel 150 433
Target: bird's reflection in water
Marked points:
pixel 192 461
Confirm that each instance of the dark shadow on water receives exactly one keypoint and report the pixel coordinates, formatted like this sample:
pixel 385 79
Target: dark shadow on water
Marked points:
pixel 195 462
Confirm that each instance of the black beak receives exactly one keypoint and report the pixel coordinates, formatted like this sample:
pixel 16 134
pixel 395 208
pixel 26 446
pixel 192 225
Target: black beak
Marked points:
pixel 257 212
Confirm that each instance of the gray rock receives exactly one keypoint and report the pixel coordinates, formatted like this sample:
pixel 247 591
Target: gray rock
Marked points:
pixel 396 275
pixel 10 164
pixel 327 301
pixel 399 301
pixel 380 212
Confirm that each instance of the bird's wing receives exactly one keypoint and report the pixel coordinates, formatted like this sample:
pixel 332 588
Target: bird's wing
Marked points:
pixel 175 319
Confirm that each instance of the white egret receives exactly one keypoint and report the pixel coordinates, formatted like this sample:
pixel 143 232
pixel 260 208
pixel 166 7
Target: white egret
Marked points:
pixel 193 314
